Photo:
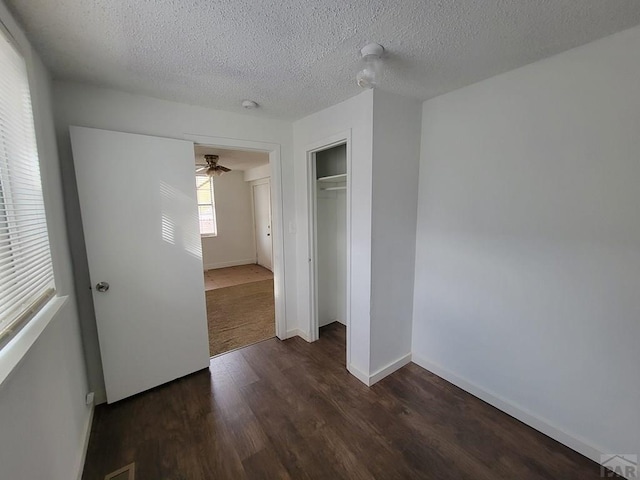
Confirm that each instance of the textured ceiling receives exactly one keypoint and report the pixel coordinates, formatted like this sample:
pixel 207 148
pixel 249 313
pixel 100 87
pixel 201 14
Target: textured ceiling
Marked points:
pixel 233 159
pixel 296 57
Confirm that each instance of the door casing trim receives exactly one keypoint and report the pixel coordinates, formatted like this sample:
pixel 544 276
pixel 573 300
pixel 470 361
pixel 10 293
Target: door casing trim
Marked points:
pixel 277 209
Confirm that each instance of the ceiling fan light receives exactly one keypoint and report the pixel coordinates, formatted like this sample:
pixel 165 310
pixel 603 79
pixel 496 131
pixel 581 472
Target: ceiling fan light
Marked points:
pixel 213 169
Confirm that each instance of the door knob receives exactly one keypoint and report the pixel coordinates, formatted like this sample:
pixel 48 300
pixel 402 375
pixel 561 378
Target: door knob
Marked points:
pixel 102 286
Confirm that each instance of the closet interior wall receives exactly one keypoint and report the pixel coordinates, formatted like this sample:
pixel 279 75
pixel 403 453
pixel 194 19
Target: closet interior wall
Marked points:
pixel 331 217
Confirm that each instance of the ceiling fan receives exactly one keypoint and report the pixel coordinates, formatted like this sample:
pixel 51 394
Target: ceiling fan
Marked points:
pixel 212 168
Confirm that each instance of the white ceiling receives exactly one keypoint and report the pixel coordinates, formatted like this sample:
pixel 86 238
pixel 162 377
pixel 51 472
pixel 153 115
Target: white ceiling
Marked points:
pixel 233 159
pixel 295 57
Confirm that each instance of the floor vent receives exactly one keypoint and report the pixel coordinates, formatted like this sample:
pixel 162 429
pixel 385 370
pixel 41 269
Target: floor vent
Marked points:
pixel 125 473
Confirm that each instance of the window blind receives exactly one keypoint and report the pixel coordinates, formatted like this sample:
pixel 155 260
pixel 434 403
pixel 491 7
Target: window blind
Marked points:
pixel 26 273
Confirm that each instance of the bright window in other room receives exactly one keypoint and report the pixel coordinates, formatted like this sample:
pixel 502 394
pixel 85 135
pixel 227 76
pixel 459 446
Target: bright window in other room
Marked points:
pixel 26 272
pixel 206 206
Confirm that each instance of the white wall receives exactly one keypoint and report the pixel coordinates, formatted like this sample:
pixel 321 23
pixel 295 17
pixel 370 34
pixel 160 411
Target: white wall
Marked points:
pixel 385 153
pixel 257 173
pixel 326 216
pixel 396 158
pixel 528 243
pixel 331 247
pixel 83 105
pixel 235 243
pixel 355 115
pixel 341 255
pixel 44 421
pixel 332 161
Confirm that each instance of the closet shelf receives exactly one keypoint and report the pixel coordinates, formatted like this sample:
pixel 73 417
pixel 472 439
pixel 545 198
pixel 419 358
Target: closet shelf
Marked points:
pixel 331 189
pixel 334 178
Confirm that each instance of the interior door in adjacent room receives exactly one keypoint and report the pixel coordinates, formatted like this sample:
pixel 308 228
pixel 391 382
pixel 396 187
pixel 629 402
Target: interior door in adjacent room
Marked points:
pixel 140 219
pixel 262 218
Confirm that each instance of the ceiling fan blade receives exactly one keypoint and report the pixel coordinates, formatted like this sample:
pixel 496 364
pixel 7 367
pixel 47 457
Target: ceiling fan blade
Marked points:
pixel 224 169
pixel 200 169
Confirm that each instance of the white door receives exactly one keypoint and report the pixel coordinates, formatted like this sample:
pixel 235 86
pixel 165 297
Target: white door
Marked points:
pixel 262 214
pixel 138 202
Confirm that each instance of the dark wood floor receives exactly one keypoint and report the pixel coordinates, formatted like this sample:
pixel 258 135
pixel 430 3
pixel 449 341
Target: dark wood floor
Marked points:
pixel 290 410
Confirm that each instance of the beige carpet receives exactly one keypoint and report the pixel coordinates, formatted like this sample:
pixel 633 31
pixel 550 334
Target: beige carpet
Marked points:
pixel 240 315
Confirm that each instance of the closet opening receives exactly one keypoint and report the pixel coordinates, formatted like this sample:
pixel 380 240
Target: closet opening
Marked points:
pixel 329 237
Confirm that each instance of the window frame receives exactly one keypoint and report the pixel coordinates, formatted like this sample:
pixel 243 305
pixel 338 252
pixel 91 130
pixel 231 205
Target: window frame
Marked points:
pixel 211 204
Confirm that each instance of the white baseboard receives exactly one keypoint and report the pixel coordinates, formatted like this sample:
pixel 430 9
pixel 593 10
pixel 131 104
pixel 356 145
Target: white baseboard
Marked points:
pixel 295 332
pixel 85 443
pixel 369 380
pixel 233 263
pixel 360 375
pixel 100 397
pixel 389 369
pixel 572 441
pixel 335 320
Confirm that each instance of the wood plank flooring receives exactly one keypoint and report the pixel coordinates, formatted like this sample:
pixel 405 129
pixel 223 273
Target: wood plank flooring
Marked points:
pixel 290 410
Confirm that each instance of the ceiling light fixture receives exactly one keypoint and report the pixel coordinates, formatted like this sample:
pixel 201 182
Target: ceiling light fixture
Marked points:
pixel 249 104
pixel 369 76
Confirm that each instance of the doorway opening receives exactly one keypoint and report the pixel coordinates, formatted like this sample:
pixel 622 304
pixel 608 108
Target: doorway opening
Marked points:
pixel 233 189
pixel 329 204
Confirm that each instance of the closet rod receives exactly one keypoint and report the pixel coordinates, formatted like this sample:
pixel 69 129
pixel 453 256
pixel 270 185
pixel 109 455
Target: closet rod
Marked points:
pixel 333 178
